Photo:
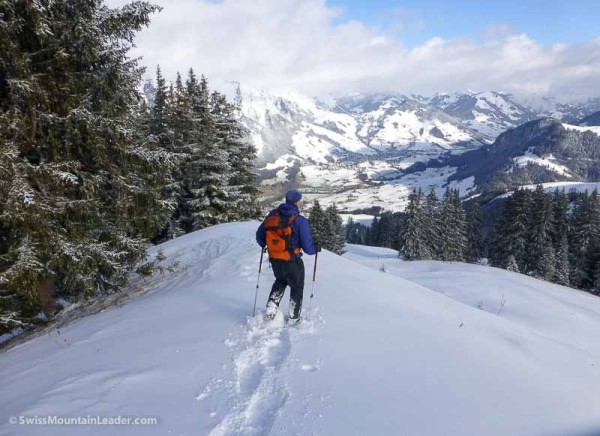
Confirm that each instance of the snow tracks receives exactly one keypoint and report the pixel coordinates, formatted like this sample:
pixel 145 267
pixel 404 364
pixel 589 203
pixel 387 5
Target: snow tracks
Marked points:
pixel 256 390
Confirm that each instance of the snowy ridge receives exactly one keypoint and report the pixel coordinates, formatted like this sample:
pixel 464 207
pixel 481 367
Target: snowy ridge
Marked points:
pixel 593 129
pixel 552 186
pixel 547 161
pixel 425 348
pixel 488 112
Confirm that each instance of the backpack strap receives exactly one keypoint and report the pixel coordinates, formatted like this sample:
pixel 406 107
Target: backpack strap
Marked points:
pixel 295 251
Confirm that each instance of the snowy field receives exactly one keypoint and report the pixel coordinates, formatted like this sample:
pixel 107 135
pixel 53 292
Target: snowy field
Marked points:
pixel 393 195
pixel 424 348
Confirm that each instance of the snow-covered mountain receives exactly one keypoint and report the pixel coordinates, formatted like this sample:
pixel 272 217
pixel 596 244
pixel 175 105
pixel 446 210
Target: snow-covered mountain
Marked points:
pixel 489 112
pixel 355 149
pixel 365 150
pixel 591 120
pixel 316 131
pixel 544 150
pixel 425 348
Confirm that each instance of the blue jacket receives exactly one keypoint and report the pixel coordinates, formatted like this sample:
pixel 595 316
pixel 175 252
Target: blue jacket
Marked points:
pixel 301 237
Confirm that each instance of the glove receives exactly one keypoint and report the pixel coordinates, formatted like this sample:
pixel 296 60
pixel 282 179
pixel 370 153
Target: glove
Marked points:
pixel 318 247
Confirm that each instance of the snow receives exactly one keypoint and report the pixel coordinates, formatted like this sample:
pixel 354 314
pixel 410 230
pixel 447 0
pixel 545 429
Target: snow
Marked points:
pixel 546 161
pixel 419 349
pixel 282 165
pixel 552 186
pixel 332 176
pixel 363 219
pixel 593 129
pixel 393 194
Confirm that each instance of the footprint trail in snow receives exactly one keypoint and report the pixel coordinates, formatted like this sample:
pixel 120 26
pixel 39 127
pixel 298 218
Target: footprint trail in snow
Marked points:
pixel 257 391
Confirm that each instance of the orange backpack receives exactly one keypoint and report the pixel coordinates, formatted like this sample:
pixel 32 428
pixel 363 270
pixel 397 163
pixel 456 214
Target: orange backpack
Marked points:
pixel 278 233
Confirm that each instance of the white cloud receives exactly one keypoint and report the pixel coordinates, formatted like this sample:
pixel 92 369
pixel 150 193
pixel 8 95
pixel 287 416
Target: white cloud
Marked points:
pixel 293 44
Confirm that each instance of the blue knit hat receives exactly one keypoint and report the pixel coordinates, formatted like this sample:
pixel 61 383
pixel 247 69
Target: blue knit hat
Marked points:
pixel 292 196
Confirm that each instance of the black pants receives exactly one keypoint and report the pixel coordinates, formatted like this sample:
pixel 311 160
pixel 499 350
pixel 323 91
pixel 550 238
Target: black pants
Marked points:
pixel 288 274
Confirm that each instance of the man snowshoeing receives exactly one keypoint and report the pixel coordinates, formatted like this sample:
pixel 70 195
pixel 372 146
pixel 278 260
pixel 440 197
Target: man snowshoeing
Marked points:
pixel 286 235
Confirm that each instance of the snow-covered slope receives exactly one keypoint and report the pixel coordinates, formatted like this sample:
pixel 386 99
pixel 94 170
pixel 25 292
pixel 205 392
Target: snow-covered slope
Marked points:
pixel 419 349
pixel 487 112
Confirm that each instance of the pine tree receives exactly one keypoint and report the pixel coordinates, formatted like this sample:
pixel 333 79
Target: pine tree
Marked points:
pixel 209 167
pixel 81 192
pixel 385 230
pixel 158 115
pixel 474 228
pixel 541 261
pixel 453 222
pixel 461 244
pixel 585 241
pixel 351 230
pixel 511 231
pixel 593 253
pixel 413 245
pixel 397 230
pixel 177 116
pixel 242 193
pixel 433 228
pixel 317 223
pixel 560 206
pixel 561 268
pixel 335 231
pixel 372 233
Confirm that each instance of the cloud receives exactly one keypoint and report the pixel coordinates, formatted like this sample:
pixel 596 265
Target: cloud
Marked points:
pixel 299 45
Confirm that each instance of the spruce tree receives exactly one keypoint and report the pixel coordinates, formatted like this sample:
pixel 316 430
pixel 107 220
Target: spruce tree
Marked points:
pixel 242 193
pixel 433 228
pixel 413 245
pixel 385 230
pixel 372 232
pixel 159 112
pixel 177 116
pixel 351 231
pixel 585 241
pixel 511 232
pixel 541 251
pixel 398 218
pixel 209 167
pixel 335 231
pixel 560 206
pixel 461 243
pixel 80 189
pixel 474 228
pixel 561 268
pixel 317 223
pixel 453 222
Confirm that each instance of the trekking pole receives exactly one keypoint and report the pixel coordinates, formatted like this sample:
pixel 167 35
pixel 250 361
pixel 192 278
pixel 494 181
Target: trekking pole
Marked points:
pixel 312 292
pixel 262 252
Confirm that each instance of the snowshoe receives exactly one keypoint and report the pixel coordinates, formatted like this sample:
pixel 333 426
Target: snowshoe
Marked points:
pixel 271 312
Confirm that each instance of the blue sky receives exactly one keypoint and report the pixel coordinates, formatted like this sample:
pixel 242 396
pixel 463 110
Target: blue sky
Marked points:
pixel 415 21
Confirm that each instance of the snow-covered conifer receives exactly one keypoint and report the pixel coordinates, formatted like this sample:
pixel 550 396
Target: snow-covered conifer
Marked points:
pixel 413 244
pixel 80 187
